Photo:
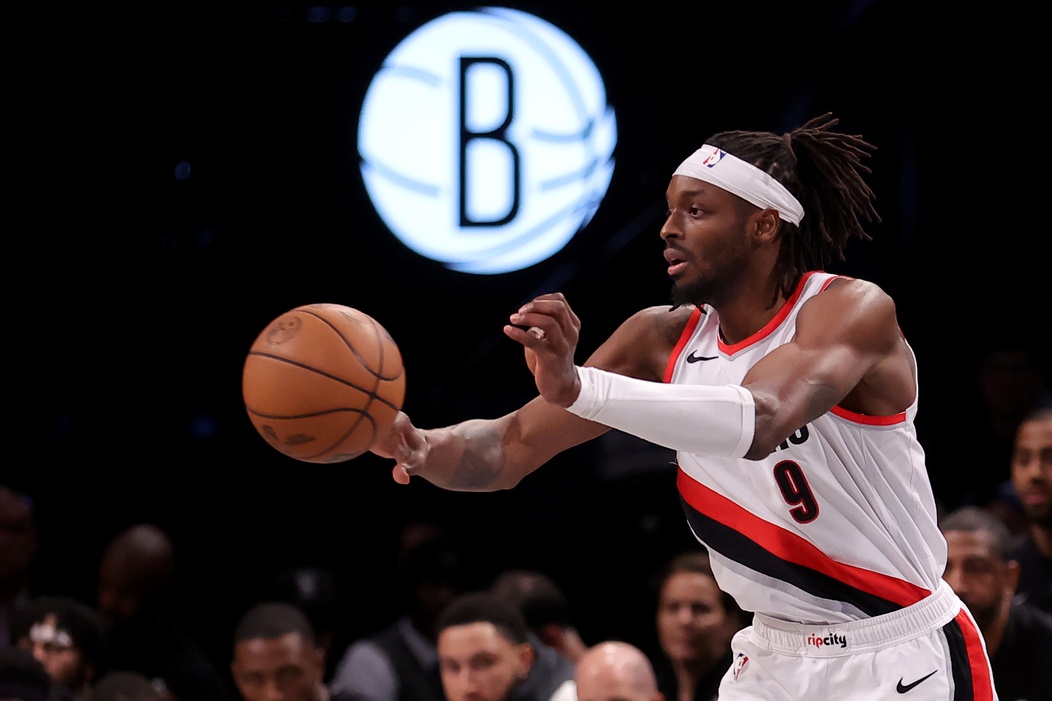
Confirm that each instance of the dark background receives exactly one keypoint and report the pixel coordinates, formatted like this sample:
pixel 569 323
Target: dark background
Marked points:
pixel 135 295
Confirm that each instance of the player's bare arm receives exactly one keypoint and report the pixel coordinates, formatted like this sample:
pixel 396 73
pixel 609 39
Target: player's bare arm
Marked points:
pixel 484 455
pixel 848 351
pixel 494 454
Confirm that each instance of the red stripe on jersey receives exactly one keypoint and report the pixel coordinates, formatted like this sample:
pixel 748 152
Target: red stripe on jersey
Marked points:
pixel 688 331
pixel 890 420
pixel 770 326
pixel 792 548
pixel 982 689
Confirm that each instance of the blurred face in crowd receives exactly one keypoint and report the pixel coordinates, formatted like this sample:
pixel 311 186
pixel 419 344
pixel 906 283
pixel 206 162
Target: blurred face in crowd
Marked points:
pixel 692 624
pixel 18 538
pixel 285 668
pixel 615 671
pixel 478 663
pixel 55 649
pixel 1032 468
pixel 135 572
pixel 977 574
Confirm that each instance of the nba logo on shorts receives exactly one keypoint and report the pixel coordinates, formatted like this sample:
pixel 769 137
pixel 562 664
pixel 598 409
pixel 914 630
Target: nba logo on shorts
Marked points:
pixel 739 664
pixel 486 141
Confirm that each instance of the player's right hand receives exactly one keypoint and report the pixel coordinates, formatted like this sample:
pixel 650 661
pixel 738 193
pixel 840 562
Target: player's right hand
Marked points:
pixel 405 444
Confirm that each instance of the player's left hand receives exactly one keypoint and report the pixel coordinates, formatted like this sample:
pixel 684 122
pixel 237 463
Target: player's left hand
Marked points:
pixel 548 328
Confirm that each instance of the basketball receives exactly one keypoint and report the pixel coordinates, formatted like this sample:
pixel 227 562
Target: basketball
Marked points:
pixel 322 381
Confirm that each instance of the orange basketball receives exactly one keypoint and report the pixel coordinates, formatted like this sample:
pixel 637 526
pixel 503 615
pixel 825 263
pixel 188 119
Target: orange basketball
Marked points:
pixel 322 381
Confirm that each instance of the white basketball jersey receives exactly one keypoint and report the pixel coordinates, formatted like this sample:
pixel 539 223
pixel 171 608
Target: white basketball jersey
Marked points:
pixel 837 524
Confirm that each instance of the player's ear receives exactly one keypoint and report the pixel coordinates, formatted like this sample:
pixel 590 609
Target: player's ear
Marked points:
pixel 764 225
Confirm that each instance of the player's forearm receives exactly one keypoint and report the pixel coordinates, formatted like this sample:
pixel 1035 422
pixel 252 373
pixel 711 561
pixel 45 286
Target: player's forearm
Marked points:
pixel 716 420
pixel 469 457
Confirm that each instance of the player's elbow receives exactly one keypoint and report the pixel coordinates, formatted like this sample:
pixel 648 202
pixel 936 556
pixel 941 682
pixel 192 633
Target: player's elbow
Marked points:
pixel 760 448
pixel 769 431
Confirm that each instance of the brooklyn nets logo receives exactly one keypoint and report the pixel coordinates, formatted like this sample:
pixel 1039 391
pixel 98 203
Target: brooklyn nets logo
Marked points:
pixel 486 141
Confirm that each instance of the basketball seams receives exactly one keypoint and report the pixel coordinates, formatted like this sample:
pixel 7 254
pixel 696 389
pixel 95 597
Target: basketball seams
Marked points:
pixel 323 424
pixel 310 368
pixel 380 339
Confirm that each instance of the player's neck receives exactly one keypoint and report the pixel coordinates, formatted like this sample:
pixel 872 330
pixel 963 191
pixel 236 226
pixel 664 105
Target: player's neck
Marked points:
pixel 756 302
pixel 739 322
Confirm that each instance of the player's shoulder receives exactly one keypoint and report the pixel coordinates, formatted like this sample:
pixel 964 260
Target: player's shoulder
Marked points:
pixel 663 320
pixel 641 345
pixel 863 309
pixel 857 293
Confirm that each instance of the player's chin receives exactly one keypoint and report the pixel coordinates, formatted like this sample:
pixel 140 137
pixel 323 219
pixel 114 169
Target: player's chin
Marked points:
pixel 682 293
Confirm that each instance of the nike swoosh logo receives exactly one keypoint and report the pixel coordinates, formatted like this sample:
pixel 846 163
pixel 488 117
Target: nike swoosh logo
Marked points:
pixel 698 358
pixel 903 688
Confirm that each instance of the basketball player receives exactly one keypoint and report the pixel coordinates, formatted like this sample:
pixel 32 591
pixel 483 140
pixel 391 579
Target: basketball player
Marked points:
pixel 790 396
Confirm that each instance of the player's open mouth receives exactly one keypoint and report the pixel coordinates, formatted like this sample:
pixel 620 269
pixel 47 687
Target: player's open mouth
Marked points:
pixel 675 263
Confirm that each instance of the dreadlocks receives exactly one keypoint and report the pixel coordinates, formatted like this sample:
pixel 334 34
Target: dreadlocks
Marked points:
pixel 824 171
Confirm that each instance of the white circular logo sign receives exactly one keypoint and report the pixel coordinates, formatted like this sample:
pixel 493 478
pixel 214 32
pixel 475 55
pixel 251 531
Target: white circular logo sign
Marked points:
pixel 486 141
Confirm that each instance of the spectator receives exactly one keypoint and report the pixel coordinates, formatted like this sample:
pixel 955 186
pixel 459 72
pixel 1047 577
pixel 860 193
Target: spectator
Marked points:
pixel 400 662
pixel 276 655
pixel 18 551
pixel 695 623
pixel 615 671
pixel 485 653
pixel 69 638
pixel 1010 383
pixel 134 594
pixel 120 685
pixel 1032 483
pixel 312 590
pixel 545 608
pixel 982 573
pixel 22 677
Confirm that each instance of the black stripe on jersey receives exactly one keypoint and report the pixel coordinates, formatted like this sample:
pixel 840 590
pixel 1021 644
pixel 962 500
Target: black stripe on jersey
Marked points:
pixel 959 664
pixel 740 548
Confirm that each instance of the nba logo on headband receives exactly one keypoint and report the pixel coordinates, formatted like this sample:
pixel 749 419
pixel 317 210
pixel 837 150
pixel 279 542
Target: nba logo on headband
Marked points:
pixel 713 158
pixel 742 179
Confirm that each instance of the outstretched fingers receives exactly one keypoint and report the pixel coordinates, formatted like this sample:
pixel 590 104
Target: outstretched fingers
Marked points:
pixel 547 317
pixel 549 330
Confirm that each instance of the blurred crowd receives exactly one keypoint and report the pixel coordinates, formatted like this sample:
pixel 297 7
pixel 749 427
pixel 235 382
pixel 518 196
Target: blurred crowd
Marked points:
pixel 515 635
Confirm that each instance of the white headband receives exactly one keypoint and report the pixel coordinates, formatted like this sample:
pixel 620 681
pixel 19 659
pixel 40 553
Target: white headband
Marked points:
pixel 713 165
pixel 43 633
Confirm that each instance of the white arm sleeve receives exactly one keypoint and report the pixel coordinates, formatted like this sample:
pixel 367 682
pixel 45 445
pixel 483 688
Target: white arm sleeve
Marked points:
pixel 704 419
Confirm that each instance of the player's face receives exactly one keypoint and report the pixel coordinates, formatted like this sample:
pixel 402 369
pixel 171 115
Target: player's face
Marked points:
pixel 478 663
pixel 706 246
pixel 286 668
pixel 1032 469
pixel 977 574
pixel 692 624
